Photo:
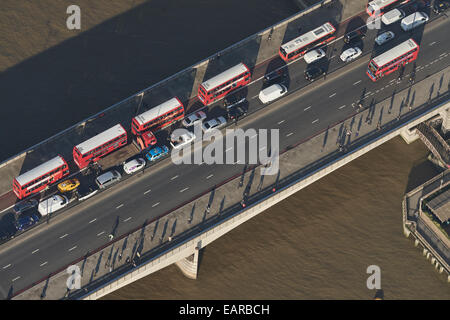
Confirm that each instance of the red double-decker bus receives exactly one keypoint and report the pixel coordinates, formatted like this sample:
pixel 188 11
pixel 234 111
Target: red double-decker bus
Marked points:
pixel 392 59
pixel 379 7
pixel 222 84
pixel 158 117
pixel 298 46
pixel 39 178
pixel 100 145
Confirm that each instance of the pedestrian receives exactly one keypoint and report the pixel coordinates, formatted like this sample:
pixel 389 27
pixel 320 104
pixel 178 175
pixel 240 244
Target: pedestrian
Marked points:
pixel 127 260
pixel 111 236
pixel 378 126
pixel 120 256
pixel 208 208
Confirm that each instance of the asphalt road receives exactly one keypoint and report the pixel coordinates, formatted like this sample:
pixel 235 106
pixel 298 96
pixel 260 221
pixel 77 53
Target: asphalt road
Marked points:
pixel 165 185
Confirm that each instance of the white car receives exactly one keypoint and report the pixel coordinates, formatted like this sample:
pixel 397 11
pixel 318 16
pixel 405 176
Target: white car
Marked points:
pixel 133 165
pixel 314 55
pixel 177 141
pixel 214 124
pixel 272 93
pixel 384 37
pixel 414 20
pixel 193 118
pixel 52 204
pixel 351 54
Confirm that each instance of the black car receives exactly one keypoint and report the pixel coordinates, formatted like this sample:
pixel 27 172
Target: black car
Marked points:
pixel 274 77
pixel 25 205
pixel 26 221
pixel 313 73
pixel 354 36
pixel 84 191
pixel 232 101
pixel 440 6
pixel 236 112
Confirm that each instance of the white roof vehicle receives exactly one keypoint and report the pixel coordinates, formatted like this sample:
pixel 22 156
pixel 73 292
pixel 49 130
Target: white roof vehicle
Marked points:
pixel 273 92
pixel 351 54
pixel 384 37
pixel 414 20
pixel 392 16
pixel 179 140
pixel 52 204
pixel 214 124
pixel 133 165
pixel 314 55
pixel 193 118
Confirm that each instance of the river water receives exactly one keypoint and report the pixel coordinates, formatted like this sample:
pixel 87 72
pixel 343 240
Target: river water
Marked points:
pixel 317 244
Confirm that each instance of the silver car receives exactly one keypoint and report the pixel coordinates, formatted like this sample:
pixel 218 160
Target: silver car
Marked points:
pixel 108 178
pixel 214 124
pixel 384 37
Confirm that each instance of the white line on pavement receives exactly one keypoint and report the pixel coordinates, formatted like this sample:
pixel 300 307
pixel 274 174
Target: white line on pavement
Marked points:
pixel 63 236
pixel 73 248
pixel 281 122
pixel 35 251
pixel 434 42
pixel 357 82
pixel 289 134
pixel 341 107
pixel 333 95
pixel 16 278
pixel 307 108
pixel 209 176
pixel 127 219
pixel 229 149
pixel 147 191
pixel 93 220
pixel 173 178
pixel 43 264
pixel 253 136
pixel 119 206
pixel 315 121
pixel 183 190
pixel 99 234
pixel 261 149
pixel 155 205
pixel 9 265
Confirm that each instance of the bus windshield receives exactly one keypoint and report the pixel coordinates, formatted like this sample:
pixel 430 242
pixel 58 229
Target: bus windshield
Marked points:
pixel 373 67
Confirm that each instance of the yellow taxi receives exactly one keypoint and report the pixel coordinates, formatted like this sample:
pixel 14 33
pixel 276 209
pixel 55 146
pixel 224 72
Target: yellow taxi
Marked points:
pixel 68 185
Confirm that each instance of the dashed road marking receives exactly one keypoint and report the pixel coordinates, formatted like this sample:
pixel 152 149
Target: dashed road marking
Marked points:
pixel 147 191
pixel 93 220
pixel 183 190
pixel 119 206
pixel 281 122
pixel 7 266
pixel 62 237
pixel 315 121
pixel 253 136
pixel 155 205
pixel 443 54
pixel 173 178
pixel 333 95
pixel 127 219
pixel 434 42
pixel 261 149
pixel 99 234
pixel 342 107
pixel 307 108
pixel 209 176
pixel 16 278
pixel 73 248
pixel 35 251
pixel 289 134
pixel 229 149
pixel 43 264
pixel 357 82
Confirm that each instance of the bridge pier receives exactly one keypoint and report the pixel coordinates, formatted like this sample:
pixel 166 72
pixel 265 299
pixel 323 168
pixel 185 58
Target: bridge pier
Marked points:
pixel 445 120
pixel 189 265
pixel 409 135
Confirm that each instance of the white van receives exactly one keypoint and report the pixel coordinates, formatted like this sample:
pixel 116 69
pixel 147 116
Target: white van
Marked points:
pixel 392 16
pixel 314 55
pixel 107 178
pixel 52 204
pixel 271 93
pixel 414 20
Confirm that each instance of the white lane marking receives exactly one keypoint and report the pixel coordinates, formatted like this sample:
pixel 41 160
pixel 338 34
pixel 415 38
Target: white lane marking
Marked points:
pixel 434 42
pixel 443 54
pixel 35 251
pixel 341 107
pixel 281 122
pixel 307 108
pixel 333 56
pixel 357 82
pixel 93 220
pixel 333 95
pixel 289 134
pixel 7 266
pixel 255 96
pixel 43 264
pixel 253 136
pixel 73 248
pixel 261 149
pixel 229 149
pixel 173 178
pixel 315 121
pixel 209 176
pixel 99 234
pixel 119 206
pixel 16 278
pixel 62 237
pixel 147 191
pixel 127 219
pixel 183 190
pixel 155 205
pixel 238 161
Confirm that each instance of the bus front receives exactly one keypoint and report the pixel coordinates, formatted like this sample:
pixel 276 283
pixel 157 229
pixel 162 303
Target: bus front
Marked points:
pixel 372 71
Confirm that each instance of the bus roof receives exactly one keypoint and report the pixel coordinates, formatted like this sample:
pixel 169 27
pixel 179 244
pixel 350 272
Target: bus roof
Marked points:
pixel 100 139
pixel 395 52
pixel 225 76
pixel 40 170
pixel 378 4
pixel 309 37
pixel 154 112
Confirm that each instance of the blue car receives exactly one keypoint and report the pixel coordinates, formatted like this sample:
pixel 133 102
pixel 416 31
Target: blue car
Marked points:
pixel 26 221
pixel 157 153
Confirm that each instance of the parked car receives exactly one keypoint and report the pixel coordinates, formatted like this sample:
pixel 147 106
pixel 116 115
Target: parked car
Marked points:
pixel 392 16
pixel 25 205
pixel 52 204
pixel 133 165
pixel 354 36
pixel 384 37
pixel 233 101
pixel 440 6
pixel 236 112
pixel 314 55
pixel 25 221
pixel 414 20
pixel 84 192
pixel 68 185
pixel 108 178
pixel 351 54
pixel 272 93
pixel 215 123
pixel 314 72
pixel 193 118
pixel 274 77
pixel 156 153
pixel 180 140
